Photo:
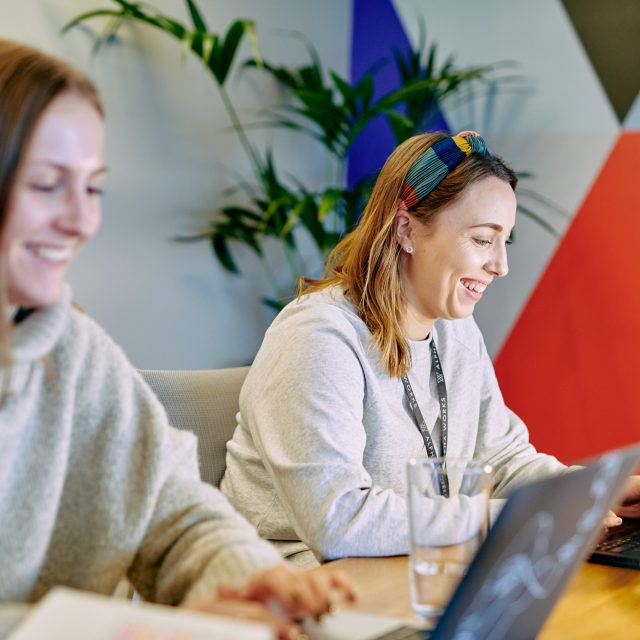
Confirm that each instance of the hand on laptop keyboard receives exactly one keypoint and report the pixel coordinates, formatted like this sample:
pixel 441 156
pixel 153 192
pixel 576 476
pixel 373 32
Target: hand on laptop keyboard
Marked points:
pixel 612 520
pixel 630 507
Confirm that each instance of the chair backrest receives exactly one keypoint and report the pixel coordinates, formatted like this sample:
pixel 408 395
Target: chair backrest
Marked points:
pixel 205 402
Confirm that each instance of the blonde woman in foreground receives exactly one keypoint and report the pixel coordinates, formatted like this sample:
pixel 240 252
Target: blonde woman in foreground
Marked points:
pixel 94 484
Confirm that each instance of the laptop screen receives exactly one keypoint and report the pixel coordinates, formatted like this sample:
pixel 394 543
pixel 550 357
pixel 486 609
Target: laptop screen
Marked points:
pixel 535 546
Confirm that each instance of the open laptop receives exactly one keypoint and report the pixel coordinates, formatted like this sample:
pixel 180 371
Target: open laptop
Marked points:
pixel 536 545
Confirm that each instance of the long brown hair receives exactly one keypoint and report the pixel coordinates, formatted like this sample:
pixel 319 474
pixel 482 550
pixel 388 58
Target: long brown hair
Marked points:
pixel 366 262
pixel 29 81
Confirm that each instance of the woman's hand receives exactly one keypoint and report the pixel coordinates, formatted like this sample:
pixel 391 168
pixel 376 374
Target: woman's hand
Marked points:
pixel 611 520
pixel 630 506
pixel 298 593
pixel 249 611
pixel 282 594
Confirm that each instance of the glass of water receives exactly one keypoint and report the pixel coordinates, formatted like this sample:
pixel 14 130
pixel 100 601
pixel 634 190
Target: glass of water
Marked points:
pixel 448 501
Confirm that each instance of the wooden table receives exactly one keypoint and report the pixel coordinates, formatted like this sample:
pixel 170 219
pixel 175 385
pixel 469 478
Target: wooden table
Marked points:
pixel 600 602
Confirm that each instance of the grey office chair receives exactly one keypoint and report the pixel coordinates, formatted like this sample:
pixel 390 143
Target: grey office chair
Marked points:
pixel 205 402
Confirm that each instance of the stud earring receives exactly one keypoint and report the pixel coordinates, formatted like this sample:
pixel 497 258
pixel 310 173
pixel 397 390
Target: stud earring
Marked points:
pixel 409 249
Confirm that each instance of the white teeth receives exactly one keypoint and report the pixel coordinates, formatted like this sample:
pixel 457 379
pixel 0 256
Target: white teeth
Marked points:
pixel 478 287
pixel 52 254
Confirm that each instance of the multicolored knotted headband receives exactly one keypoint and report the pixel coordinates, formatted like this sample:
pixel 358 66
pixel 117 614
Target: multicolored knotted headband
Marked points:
pixel 435 163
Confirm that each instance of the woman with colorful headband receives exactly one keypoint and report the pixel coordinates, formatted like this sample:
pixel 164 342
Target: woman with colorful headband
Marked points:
pixel 381 361
pixel 94 484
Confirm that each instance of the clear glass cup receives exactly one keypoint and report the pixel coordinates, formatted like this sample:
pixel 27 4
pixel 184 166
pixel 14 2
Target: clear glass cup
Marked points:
pixel 445 530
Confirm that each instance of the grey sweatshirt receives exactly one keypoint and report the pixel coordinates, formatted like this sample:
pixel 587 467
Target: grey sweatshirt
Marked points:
pixel 94 484
pixel 318 458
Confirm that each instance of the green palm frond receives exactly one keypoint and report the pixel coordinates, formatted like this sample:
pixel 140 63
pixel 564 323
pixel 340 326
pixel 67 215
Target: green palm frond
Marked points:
pixel 320 104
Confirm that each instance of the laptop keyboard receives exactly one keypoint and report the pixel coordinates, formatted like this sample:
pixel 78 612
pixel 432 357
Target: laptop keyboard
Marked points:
pixel 620 544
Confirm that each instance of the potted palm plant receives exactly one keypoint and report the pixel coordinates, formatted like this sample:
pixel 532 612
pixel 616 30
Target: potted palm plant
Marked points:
pixel 321 104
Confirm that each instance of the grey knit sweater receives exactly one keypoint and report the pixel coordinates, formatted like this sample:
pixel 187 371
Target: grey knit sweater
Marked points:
pixel 93 482
pixel 318 458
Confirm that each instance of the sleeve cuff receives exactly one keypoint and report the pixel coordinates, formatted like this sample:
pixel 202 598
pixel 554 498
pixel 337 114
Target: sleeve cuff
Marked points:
pixel 233 568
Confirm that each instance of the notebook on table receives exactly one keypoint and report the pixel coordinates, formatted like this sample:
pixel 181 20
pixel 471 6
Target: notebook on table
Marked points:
pixel 67 614
pixel 536 545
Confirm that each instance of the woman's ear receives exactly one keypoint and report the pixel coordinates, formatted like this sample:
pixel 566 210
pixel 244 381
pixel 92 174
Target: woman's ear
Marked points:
pixel 403 225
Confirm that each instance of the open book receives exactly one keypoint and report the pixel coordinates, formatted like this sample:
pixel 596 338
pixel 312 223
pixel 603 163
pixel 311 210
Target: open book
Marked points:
pixel 65 614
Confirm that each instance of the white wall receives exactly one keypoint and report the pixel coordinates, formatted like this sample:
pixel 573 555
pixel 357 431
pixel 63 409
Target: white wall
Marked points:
pixel 171 156
pixel 555 121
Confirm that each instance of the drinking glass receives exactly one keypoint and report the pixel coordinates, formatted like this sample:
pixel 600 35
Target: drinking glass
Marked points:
pixel 448 502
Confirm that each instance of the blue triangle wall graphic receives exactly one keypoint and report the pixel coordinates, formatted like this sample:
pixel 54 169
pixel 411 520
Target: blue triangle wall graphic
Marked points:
pixel 376 31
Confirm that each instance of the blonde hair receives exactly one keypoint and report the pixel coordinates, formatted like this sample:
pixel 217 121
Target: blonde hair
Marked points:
pixel 366 262
pixel 29 81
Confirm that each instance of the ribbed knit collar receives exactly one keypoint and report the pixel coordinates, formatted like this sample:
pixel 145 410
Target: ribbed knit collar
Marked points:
pixel 38 333
pixel 420 349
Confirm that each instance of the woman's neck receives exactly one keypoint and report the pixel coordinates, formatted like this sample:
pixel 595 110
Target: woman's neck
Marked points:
pixel 415 326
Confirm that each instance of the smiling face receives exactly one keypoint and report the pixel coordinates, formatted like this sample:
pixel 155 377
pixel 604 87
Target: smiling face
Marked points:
pixel 55 201
pixel 455 257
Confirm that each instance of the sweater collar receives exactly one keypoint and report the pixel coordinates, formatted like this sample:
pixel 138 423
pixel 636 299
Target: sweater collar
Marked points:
pixel 37 334
pixel 421 349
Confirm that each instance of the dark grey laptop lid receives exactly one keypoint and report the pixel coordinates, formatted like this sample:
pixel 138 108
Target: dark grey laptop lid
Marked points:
pixel 537 543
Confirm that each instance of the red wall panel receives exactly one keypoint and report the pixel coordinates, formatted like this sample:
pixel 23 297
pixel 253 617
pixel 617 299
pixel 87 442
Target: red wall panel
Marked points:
pixel 571 364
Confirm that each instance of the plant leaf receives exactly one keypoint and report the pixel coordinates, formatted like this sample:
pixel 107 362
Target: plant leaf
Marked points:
pixel 221 250
pixel 401 126
pixel 196 17
pixel 328 202
pixel 229 49
pixel 274 304
pixel 209 42
pixel 252 38
pixel 88 16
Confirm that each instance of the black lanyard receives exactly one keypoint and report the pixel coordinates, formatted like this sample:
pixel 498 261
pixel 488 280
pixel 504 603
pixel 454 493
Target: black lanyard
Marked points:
pixel 436 369
pixel 22 314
